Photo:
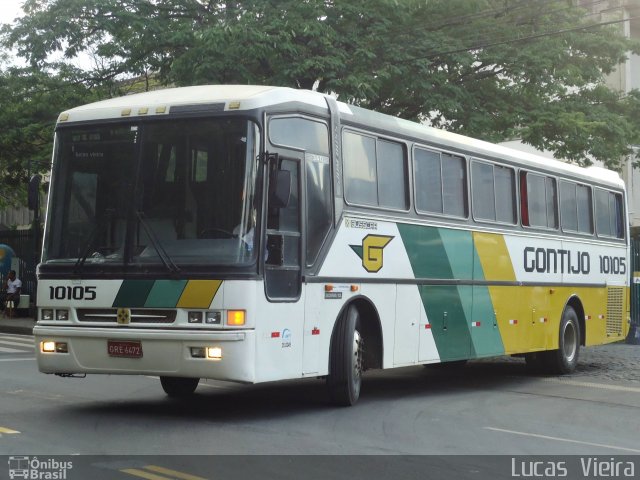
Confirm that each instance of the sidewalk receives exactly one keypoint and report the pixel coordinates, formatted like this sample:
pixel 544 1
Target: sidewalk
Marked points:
pixel 20 325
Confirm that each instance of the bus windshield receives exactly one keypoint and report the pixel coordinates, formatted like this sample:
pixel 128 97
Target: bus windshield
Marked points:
pixel 173 193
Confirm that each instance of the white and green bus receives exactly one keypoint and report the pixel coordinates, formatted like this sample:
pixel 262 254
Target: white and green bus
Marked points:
pixel 254 234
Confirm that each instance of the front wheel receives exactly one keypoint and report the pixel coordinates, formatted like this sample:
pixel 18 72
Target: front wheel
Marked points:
pixel 346 362
pixel 177 387
pixel 565 358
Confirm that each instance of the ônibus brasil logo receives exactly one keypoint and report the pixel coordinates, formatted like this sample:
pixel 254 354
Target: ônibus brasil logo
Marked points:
pixel 32 468
pixel 371 251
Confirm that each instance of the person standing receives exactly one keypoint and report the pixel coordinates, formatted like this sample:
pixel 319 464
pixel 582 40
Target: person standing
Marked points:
pixel 14 286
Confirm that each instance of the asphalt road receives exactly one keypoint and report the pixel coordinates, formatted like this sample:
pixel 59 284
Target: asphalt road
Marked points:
pixel 487 408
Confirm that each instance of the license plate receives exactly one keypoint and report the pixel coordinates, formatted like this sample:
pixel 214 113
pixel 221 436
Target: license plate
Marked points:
pixel 127 349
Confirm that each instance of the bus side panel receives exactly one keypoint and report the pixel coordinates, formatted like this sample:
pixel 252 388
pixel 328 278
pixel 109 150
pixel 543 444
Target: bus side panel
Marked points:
pixel 279 336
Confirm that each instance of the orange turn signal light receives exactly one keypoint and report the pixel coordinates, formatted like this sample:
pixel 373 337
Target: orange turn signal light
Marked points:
pixel 235 318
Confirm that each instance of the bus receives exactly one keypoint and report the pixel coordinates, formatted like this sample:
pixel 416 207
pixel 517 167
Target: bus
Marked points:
pixel 254 234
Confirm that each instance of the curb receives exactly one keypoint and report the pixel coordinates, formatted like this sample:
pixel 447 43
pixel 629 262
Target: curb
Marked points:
pixel 21 327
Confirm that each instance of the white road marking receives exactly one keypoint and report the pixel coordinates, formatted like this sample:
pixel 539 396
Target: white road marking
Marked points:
pixel 10 350
pixel 16 359
pixel 604 386
pixel 566 440
pixel 16 344
pixel 25 338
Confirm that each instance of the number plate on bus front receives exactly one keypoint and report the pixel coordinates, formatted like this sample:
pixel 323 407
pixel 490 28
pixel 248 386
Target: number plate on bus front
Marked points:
pixel 127 349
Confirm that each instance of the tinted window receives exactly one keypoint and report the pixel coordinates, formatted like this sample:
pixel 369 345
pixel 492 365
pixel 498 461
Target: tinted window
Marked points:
pixel 568 206
pixel 505 194
pixel 585 218
pixel 359 154
pixel 576 211
pixel 375 171
pixel 609 214
pixel 392 175
pixel 300 133
pixel 318 203
pixel 428 181
pixel 454 185
pixel 484 195
pixel 440 183
pixel 539 201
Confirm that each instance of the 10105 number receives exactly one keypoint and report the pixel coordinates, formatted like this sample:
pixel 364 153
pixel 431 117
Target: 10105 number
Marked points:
pixel 72 293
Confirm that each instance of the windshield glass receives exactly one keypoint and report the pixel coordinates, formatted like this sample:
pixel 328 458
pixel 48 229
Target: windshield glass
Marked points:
pixel 180 192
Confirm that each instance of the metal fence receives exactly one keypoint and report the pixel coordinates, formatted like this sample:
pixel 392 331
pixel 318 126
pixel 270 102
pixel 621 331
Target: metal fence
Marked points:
pixel 27 246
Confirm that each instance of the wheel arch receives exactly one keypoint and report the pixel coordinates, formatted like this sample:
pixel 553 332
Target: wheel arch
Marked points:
pixel 371 330
pixel 575 303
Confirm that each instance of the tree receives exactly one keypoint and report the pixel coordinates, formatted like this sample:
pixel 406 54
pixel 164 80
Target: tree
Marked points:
pixel 492 69
pixel 31 102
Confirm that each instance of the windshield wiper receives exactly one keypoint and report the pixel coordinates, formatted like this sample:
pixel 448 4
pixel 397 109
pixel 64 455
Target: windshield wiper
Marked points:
pixel 97 228
pixel 157 246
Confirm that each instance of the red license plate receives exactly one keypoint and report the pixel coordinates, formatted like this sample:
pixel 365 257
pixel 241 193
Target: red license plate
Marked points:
pixel 127 349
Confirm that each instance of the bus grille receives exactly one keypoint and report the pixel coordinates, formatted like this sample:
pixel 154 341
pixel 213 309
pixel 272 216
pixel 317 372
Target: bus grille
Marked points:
pixel 110 315
pixel 615 301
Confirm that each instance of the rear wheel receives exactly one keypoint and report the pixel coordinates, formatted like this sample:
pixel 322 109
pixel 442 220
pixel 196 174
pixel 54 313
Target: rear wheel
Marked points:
pixel 177 387
pixel 565 358
pixel 346 362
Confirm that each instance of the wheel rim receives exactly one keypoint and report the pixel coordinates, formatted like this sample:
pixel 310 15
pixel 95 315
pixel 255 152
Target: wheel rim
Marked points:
pixel 358 351
pixel 570 341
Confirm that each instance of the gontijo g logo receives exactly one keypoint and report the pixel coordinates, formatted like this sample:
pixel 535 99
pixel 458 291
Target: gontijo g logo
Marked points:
pixel 371 251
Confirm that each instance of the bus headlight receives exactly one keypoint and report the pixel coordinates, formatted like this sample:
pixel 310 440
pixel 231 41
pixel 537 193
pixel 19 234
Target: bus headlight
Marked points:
pixel 46 314
pixel 214 352
pixel 49 346
pixel 62 315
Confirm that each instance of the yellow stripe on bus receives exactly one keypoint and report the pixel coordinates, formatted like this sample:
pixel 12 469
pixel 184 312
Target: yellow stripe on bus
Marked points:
pixel 494 257
pixel 199 293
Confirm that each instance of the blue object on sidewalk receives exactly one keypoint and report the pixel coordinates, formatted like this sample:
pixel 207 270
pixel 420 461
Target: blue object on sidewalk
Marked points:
pixel 6 255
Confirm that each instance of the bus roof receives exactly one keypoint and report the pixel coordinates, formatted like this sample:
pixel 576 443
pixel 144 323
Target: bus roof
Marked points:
pixel 249 97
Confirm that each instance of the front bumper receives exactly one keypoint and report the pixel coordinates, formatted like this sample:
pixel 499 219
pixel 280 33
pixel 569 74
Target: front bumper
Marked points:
pixel 164 353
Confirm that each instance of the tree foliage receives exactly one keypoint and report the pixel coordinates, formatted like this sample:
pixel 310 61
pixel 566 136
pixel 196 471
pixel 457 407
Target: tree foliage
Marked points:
pixel 31 101
pixel 492 69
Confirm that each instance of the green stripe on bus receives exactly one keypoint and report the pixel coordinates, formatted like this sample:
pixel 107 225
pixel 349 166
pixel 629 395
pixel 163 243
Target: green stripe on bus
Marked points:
pixel 458 246
pixel 165 293
pixel 426 251
pixel 446 314
pixel 448 307
pixel 133 293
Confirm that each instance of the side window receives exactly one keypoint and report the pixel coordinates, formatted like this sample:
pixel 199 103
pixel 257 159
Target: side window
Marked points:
pixel 539 200
pixel 392 175
pixel 441 183
pixel 359 157
pixel 494 192
pixel 318 203
pixel 609 221
pixel 375 171
pixel 575 201
pixel 298 132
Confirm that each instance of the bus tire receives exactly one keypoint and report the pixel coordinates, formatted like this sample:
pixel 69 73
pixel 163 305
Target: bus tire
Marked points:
pixel 178 387
pixel 565 359
pixel 346 362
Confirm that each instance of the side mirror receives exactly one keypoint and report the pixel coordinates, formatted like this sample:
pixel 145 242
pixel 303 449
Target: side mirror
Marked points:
pixel 281 189
pixel 34 192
